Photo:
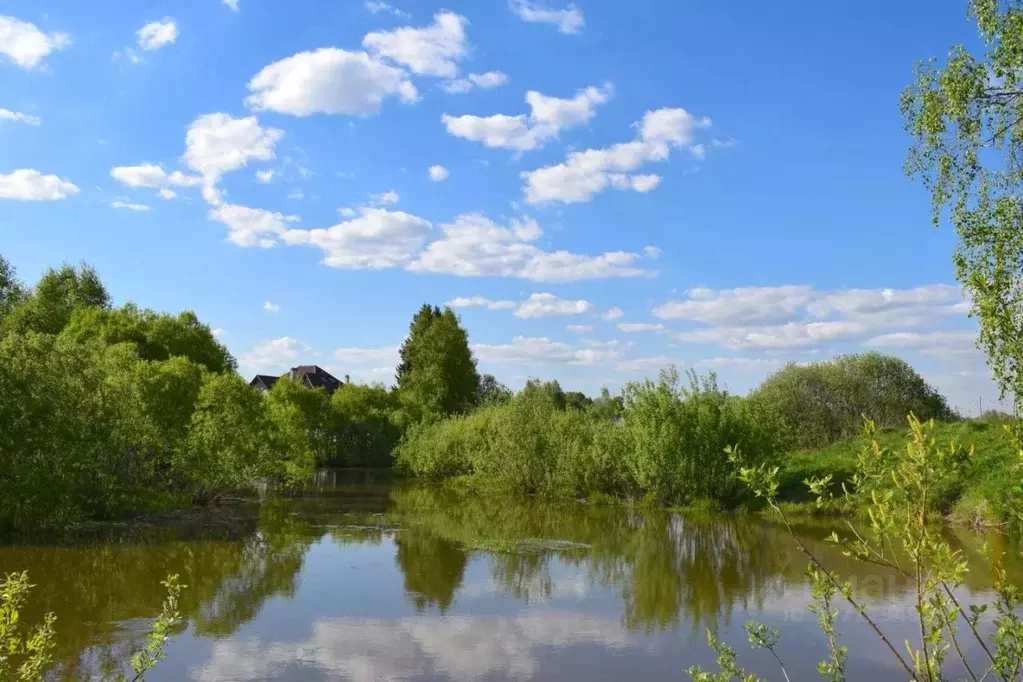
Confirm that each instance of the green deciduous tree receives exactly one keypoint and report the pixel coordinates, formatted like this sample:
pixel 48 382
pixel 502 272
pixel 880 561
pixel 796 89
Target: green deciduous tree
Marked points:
pixel 437 374
pixel 965 116
pixel 158 336
pixel 824 402
pixel 492 391
pixel 294 403
pixel 234 438
pixel 366 425
pixel 11 288
pixel 607 407
pixel 58 293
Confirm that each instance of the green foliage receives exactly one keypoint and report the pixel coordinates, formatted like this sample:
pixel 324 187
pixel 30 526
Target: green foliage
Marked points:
pixel 26 658
pixel 365 423
pixel 437 375
pixel 11 289
pixel 157 336
pixel 979 494
pixel 492 391
pixel 307 410
pixel 576 400
pixel 897 487
pixel 48 307
pixel 965 117
pixel 23 657
pixel 678 435
pixel 824 402
pixel 107 412
pixel 551 390
pixel 668 444
pixel 727 662
pixel 606 406
pixel 236 437
pixel 169 618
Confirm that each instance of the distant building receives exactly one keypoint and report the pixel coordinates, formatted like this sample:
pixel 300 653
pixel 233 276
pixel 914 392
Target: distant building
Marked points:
pixel 312 376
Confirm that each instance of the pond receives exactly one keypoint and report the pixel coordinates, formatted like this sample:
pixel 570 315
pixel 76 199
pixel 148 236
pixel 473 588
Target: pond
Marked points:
pixel 371 581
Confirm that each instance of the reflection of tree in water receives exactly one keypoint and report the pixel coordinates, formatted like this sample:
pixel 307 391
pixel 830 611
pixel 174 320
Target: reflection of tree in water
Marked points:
pixel 666 566
pixel 105 594
pixel 698 567
pixel 525 575
pixel 433 568
pixel 266 565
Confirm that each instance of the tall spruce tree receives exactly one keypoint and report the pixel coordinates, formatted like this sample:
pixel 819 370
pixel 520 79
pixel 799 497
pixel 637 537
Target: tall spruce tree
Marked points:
pixel 437 373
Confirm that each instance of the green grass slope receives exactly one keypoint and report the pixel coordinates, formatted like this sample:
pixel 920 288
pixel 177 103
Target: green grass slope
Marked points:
pixel 978 497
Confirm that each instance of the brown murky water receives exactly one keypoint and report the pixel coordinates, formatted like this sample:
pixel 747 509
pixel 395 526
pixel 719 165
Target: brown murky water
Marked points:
pixel 369 581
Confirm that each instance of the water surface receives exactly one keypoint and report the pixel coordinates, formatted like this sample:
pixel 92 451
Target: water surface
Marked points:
pixel 370 581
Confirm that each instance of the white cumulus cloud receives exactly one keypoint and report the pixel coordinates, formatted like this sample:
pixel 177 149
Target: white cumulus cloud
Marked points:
pixel 632 327
pixel 329 81
pixel 799 316
pixel 252 226
pixel 547 305
pixel 271 307
pixel 474 245
pixel 387 198
pixel 433 50
pixel 547 117
pixel 540 350
pixel 156 34
pixel 274 355
pixel 586 173
pixel 25 45
pixel 568 20
pixel 27 184
pixel 483 81
pixel 745 305
pixel 480 301
pixel 438 173
pixel 8 115
pixel 378 7
pixel 377 239
pixel 153 176
pixel 219 143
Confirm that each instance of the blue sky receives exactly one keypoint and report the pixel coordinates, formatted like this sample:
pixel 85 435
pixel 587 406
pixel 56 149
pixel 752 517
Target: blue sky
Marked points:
pixel 602 187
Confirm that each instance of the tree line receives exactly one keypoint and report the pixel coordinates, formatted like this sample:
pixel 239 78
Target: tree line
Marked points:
pixel 111 410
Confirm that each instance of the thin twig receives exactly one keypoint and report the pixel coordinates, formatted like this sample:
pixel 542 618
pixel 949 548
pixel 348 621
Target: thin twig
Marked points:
pixel 848 597
pixel 955 642
pixel 780 664
pixel 973 629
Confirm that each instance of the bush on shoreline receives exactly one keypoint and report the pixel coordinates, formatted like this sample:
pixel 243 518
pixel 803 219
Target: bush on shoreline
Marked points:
pixel 668 443
pixel 825 402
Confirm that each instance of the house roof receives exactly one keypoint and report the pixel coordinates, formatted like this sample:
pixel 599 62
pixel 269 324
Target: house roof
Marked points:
pixel 312 376
pixel 264 380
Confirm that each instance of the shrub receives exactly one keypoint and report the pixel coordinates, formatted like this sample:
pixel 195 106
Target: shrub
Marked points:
pixel 446 448
pixel 824 402
pixel 677 437
pixel 669 443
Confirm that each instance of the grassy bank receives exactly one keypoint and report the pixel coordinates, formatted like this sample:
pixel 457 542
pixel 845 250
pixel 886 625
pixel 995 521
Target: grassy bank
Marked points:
pixel 978 495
